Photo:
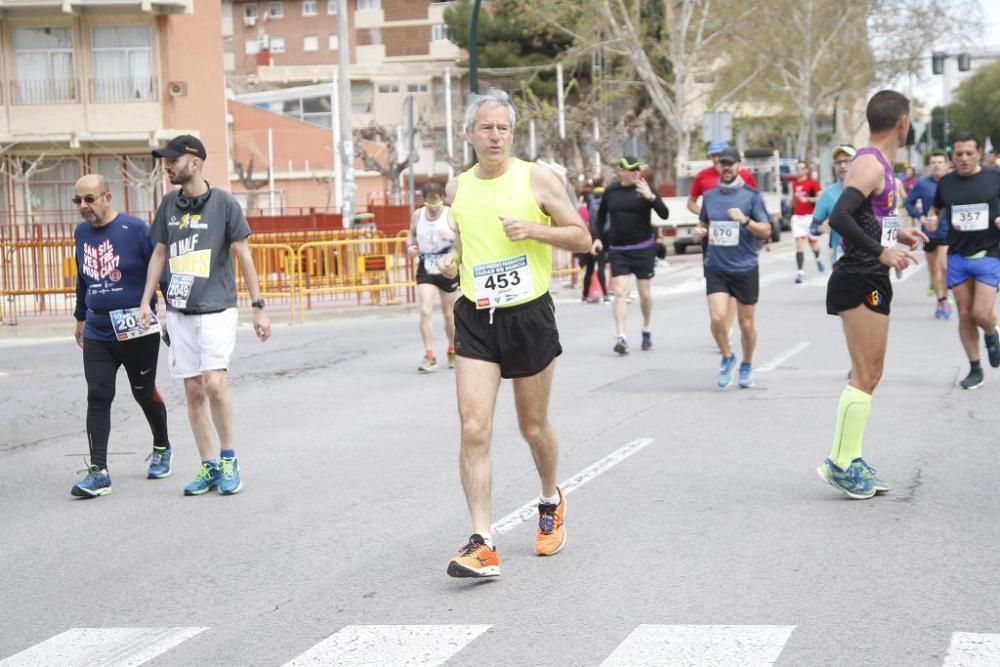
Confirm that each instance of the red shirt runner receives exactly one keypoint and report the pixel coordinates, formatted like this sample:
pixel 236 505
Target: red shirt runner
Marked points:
pixel 708 178
pixel 801 189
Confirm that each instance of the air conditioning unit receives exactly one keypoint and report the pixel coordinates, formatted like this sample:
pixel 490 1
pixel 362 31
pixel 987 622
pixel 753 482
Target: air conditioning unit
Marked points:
pixel 249 21
pixel 177 88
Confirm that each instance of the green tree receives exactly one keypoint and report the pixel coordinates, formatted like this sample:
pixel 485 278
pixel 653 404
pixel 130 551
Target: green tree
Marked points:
pixel 976 107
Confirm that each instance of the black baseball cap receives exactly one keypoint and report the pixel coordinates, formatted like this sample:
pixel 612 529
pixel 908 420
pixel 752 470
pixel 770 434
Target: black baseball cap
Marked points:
pixel 729 154
pixel 185 144
pixel 630 163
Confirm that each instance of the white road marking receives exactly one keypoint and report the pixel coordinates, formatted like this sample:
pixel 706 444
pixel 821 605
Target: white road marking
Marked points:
pixel 530 508
pixel 108 647
pixel 3 375
pixel 968 649
pixel 782 358
pixel 390 645
pixel 701 646
pixel 25 342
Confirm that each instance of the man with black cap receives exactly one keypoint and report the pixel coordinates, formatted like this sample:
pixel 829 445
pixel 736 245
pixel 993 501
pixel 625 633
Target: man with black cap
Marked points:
pixel 631 243
pixel 199 228
pixel 734 221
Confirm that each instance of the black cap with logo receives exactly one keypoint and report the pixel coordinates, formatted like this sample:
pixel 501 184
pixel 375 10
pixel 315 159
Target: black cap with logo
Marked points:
pixel 729 154
pixel 185 144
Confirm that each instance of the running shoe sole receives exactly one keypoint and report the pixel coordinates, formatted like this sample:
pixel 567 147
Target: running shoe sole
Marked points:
pixel 163 476
pixel 821 471
pixel 459 571
pixel 84 493
pixel 971 387
pixel 200 492
pixel 239 487
pixel 621 349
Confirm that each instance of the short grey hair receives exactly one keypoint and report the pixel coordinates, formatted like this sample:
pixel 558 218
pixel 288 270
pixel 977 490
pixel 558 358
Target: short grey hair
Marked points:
pixel 491 96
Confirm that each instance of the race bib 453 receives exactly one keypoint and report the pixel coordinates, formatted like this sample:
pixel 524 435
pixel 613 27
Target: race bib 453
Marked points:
pixel 504 282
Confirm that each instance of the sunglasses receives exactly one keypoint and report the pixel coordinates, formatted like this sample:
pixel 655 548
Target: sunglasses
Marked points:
pixel 90 199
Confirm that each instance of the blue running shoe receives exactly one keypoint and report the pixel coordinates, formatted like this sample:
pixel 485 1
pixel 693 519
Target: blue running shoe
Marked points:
pixel 849 481
pixel 993 346
pixel 229 476
pixel 946 310
pixel 159 463
pixel 96 483
pixel 726 371
pixel 206 480
pixel 819 265
pixel 881 486
pixel 746 376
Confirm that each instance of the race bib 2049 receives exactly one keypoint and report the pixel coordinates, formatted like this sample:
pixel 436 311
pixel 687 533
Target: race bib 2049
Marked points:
pixel 504 282
pixel 179 290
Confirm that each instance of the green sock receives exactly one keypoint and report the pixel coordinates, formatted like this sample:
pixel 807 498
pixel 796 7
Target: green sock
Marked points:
pixel 852 416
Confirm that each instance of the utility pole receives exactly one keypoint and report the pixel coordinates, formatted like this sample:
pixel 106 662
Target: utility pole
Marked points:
pixel 346 165
pixel 473 48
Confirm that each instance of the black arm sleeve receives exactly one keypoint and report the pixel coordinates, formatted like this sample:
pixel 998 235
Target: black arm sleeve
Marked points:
pixel 842 221
pixel 602 226
pixel 660 207
pixel 80 312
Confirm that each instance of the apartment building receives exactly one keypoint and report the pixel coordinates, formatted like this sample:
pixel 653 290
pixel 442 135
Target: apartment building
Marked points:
pixel 92 86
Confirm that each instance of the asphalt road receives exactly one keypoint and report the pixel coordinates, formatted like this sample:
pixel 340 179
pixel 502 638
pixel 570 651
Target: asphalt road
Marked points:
pixel 698 530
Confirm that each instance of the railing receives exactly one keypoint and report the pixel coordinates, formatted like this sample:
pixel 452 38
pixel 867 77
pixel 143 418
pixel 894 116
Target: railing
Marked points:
pixel 124 89
pixel 45 91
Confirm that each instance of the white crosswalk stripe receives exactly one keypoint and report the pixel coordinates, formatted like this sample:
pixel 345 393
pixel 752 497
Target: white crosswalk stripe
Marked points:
pixel 390 645
pixel 108 647
pixel 701 646
pixel 969 649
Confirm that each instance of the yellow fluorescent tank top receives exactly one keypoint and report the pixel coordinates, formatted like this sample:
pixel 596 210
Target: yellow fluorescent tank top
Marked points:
pixel 495 270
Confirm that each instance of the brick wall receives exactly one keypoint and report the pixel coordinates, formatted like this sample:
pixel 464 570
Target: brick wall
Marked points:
pixel 407 41
pixel 404 10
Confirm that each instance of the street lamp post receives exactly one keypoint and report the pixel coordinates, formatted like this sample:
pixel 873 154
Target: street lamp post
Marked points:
pixel 474 48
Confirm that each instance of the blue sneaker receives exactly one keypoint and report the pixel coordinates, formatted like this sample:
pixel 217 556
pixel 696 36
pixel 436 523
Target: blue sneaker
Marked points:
pixel 96 483
pixel 819 266
pixel 993 346
pixel 159 463
pixel 229 476
pixel 726 371
pixel 850 481
pixel 881 486
pixel 746 376
pixel 206 480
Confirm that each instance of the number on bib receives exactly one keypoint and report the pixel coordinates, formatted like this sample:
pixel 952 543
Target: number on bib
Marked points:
pixel 126 324
pixel 724 233
pixel 501 283
pixel 970 217
pixel 890 230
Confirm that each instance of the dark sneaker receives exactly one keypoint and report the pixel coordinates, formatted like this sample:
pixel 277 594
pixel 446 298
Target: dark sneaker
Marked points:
pixel 993 346
pixel 819 266
pixel 96 483
pixel 159 463
pixel 206 480
pixel 973 379
pixel 647 341
pixel 229 476
pixel 621 345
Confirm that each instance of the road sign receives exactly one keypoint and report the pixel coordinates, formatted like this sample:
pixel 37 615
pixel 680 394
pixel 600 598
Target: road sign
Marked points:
pixel 717 126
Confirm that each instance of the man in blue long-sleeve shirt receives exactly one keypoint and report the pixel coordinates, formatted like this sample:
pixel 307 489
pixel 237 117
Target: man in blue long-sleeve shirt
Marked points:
pixel 918 205
pixel 112 255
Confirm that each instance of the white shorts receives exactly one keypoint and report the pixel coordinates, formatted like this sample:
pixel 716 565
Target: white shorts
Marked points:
pixel 200 343
pixel 800 226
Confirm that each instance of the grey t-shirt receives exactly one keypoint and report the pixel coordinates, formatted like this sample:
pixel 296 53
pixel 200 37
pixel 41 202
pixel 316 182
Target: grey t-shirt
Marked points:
pixel 202 279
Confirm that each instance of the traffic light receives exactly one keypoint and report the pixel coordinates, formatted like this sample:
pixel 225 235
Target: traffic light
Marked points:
pixel 964 62
pixel 937 63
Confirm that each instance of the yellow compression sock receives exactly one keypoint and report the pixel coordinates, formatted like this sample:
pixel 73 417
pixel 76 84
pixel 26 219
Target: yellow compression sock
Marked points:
pixel 852 416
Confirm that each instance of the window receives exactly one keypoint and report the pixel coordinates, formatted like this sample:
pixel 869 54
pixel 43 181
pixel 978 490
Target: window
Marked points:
pixel 361 97
pixel 123 63
pixel 334 41
pixel 250 10
pixel 310 43
pixel 43 58
pixel 277 45
pixel 369 4
pixel 388 87
pixel 227 10
pixel 309 8
pixel 131 179
pixel 316 110
pixel 416 87
pixel 439 32
pixel 252 46
pixel 331 6
pixel 275 10
pixel 51 185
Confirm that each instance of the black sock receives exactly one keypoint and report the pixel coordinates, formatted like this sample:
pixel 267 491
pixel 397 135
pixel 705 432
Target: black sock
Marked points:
pixel 800 259
pixel 816 252
pixel 975 366
pixel 942 299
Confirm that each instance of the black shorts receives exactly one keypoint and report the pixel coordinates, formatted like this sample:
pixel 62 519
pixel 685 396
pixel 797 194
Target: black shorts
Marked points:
pixel 442 282
pixel 745 286
pixel 638 262
pixel 849 290
pixel 931 246
pixel 523 339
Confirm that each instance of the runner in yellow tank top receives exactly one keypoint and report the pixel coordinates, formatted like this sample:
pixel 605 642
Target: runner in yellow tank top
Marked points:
pixel 509 214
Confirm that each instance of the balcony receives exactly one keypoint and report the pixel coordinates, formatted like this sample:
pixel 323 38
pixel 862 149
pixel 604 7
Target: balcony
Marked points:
pixel 125 89
pixel 45 91
pixel 34 7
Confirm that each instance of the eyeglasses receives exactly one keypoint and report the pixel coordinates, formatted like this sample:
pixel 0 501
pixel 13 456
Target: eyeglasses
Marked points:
pixel 90 199
pixel 841 163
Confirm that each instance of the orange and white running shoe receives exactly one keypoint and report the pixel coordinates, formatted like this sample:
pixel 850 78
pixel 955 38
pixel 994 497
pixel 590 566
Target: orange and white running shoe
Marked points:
pixel 475 559
pixel 551 535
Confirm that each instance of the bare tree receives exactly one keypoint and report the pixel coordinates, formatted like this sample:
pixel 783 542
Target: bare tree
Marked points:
pixel 377 148
pixel 251 184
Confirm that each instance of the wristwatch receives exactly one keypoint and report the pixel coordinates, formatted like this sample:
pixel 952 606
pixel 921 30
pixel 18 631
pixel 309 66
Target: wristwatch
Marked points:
pixel 259 303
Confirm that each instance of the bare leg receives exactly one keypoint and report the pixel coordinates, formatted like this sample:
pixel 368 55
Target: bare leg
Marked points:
pixel 478 383
pixel 718 314
pixel 621 294
pixel 199 416
pixel 748 333
pixel 217 389
pixel 531 396
pixel 448 311
pixel 967 329
pixel 867 334
pixel 425 297
pixel 645 302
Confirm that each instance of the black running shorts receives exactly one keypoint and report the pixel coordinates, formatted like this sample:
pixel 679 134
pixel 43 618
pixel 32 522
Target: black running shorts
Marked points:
pixel 440 281
pixel 745 286
pixel 849 290
pixel 931 246
pixel 641 263
pixel 523 339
